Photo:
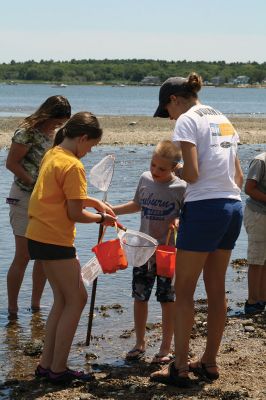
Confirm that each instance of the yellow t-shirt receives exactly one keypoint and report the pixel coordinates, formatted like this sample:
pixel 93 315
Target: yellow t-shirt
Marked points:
pixel 61 178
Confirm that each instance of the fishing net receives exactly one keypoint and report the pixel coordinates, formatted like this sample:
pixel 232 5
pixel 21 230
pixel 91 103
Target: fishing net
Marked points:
pixel 101 174
pixel 138 246
pixel 90 271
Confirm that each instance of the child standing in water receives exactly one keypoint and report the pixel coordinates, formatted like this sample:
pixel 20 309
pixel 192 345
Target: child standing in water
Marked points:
pixel 159 197
pixel 31 140
pixel 58 201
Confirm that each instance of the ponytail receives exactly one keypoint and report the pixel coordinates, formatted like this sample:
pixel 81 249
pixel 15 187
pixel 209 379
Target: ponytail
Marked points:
pixel 59 137
pixel 82 123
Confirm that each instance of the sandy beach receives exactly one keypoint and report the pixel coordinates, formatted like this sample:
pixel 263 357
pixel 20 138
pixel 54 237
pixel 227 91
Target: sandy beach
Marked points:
pixel 242 361
pixel 145 130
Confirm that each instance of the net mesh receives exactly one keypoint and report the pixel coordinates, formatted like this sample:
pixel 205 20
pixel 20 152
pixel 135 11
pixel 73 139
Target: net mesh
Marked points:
pixel 101 174
pixel 138 246
pixel 90 271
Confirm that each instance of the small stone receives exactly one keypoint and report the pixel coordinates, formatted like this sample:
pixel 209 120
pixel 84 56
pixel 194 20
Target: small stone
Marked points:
pixel 247 322
pixel 133 388
pixel 85 396
pixel 249 328
pixel 91 356
pixel 33 347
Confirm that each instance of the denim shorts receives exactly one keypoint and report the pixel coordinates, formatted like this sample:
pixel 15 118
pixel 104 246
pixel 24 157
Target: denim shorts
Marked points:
pixel 143 281
pixel 46 251
pixel 208 225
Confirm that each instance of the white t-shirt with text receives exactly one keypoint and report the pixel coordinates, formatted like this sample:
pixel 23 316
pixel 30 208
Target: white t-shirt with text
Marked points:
pixel 216 141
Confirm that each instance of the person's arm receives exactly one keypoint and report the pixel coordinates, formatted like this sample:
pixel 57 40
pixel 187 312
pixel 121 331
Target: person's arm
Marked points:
pixel 77 213
pixel 239 177
pixel 13 163
pixel 98 205
pixel 252 190
pixel 126 208
pixel 190 171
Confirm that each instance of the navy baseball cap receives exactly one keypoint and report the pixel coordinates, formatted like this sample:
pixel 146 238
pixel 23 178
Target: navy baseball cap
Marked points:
pixel 173 85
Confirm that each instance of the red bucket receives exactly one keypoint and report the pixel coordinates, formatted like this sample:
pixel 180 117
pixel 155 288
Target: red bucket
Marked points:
pixel 165 260
pixel 110 255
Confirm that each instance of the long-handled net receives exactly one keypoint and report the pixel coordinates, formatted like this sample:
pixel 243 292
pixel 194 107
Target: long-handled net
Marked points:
pixel 100 176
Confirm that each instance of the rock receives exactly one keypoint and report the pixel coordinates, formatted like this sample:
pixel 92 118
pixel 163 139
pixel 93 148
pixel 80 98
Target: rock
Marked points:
pixel 33 348
pixel 85 396
pixel 249 328
pixel 132 123
pixel 91 356
pixel 247 322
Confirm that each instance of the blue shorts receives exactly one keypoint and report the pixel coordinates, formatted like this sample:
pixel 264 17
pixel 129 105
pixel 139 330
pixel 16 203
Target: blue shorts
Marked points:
pixel 208 225
pixel 143 281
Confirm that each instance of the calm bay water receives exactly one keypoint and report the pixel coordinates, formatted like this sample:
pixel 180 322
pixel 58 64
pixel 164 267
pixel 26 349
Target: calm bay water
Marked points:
pixel 21 100
pixel 131 161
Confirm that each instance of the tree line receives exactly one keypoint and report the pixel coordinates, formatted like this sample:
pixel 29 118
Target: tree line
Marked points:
pixel 130 71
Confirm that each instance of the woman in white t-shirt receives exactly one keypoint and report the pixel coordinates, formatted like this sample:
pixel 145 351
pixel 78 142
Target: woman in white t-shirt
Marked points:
pixel 209 224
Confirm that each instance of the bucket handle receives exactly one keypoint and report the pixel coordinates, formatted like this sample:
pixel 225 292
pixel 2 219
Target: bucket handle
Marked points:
pixel 170 231
pixel 104 230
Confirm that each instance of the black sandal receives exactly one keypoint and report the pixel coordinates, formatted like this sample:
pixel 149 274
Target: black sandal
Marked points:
pixel 173 377
pixel 202 370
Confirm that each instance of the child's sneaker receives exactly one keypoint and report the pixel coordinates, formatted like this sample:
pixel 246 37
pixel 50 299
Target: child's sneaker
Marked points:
pixel 69 375
pixel 41 372
pixel 255 308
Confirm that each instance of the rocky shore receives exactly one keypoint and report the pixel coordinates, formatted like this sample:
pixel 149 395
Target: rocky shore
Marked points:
pixel 123 130
pixel 242 361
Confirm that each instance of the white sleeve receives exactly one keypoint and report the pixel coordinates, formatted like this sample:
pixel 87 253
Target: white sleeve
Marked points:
pixel 185 130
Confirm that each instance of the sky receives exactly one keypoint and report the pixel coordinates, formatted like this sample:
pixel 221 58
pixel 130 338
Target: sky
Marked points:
pixel 192 30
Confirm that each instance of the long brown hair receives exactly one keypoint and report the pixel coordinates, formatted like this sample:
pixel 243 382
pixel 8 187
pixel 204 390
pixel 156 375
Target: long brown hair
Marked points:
pixel 81 123
pixel 53 107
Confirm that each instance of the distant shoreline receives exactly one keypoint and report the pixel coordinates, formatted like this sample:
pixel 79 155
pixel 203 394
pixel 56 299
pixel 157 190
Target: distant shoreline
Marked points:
pixel 142 130
pixel 122 84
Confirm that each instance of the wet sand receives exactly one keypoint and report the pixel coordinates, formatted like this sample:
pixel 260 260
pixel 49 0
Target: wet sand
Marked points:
pixel 145 130
pixel 242 361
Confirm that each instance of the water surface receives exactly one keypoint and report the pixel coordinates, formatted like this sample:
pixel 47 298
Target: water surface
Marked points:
pixel 131 161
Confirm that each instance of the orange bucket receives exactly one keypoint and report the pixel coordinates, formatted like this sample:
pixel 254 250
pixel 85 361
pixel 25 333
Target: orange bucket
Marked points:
pixel 110 255
pixel 166 258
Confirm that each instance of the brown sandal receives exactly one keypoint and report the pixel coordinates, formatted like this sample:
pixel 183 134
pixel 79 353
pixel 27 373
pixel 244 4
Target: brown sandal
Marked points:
pixel 202 370
pixel 172 377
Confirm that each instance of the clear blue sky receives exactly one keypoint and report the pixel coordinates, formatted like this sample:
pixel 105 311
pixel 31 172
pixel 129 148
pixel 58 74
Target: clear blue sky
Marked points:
pixel 208 30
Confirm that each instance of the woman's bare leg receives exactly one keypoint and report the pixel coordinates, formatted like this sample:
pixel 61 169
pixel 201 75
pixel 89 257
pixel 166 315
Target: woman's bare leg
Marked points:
pixel 189 265
pixel 16 273
pixel 262 294
pixel 38 284
pixel 254 282
pixel 214 278
pixel 70 297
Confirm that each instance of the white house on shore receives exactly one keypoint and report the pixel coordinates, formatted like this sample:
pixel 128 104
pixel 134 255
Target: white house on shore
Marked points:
pixel 242 79
pixel 150 81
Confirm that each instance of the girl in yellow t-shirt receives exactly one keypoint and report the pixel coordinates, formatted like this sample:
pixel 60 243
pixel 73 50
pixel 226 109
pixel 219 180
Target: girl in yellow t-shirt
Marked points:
pixel 58 201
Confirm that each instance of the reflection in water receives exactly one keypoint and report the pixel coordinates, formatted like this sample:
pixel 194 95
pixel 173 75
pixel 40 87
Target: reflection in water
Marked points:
pixel 19 343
